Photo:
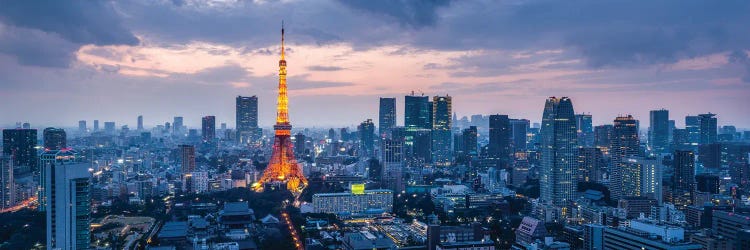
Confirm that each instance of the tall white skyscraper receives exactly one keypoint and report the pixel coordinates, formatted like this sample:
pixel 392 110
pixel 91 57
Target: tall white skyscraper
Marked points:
pixel 559 142
pixel 68 205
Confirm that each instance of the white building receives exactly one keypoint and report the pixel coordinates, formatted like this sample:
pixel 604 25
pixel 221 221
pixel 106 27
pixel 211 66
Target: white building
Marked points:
pixel 68 205
pixel 377 199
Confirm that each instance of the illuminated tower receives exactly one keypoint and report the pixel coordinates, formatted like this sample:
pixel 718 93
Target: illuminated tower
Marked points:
pixel 283 168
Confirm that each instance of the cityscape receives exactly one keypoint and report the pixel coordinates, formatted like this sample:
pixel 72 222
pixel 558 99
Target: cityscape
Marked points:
pixel 318 157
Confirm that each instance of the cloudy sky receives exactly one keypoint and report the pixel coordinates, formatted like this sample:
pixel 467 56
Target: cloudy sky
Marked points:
pixel 64 61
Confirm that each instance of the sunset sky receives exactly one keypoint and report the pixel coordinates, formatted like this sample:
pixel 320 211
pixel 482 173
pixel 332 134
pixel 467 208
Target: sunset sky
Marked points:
pixel 64 61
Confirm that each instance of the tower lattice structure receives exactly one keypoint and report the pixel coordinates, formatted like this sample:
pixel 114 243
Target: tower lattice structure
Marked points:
pixel 283 167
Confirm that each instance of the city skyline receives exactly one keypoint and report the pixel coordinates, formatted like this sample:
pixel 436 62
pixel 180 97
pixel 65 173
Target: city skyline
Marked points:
pixel 342 70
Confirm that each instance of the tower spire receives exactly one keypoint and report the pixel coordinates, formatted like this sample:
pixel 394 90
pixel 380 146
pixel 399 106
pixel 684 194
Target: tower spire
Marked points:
pixel 282 39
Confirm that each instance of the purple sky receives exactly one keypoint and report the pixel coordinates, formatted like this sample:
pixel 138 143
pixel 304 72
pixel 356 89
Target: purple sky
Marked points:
pixel 62 61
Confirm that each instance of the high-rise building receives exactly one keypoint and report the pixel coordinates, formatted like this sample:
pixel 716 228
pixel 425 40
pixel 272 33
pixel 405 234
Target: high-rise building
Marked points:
pixel 693 127
pixel 54 139
pixel 417 110
pixel 50 159
pixel 299 143
pixel 684 169
pixel 387 117
pixel 603 136
pixel 392 158
pixel 20 145
pixel 208 128
pixel 109 128
pixel 187 157
pixel 247 118
pixel 728 225
pixel 82 126
pixel 591 165
pixel 140 123
pixel 624 144
pixel 707 183
pixel 178 126
pixel 499 146
pixel 7 183
pixel 68 206
pixel 642 177
pixel 441 130
pixel 680 139
pixel 708 128
pixel 366 131
pixel 658 132
pixel 519 130
pixel 585 130
pixel 469 138
pixel 96 125
pixel 559 142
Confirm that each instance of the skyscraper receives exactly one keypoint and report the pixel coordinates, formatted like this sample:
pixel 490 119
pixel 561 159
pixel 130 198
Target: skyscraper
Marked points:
pixel 247 118
pixel 469 138
pixel 178 126
pixel 187 158
pixel 54 139
pixel 585 130
pixel 559 141
pixel 387 117
pixel 366 131
pixel 658 132
pixel 441 130
pixel 68 206
pixel 500 145
pixel 82 126
pixel 519 129
pixel 591 165
pixel 299 143
pixel 417 110
pixel 7 183
pixel 625 144
pixel 708 128
pixel 603 136
pixel 96 125
pixel 392 159
pixel 208 128
pixel 684 170
pixel 693 127
pixel 19 144
pixel 140 123
pixel 109 128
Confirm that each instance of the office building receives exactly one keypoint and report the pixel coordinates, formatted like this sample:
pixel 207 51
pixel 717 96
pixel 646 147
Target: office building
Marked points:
pixel 187 157
pixel 247 119
pixel 374 201
pixel 499 146
pixel 366 131
pixel 109 128
pixel 693 127
pixel 684 170
pixel 50 159
pixel 593 236
pixel 96 125
pixel 7 183
pixel 469 141
pixel 642 177
pixel 559 142
pixel 208 128
pixel 441 130
pixel 585 130
pixel 658 133
pixel 624 144
pixel 519 131
pixel 54 139
pixel 387 116
pixel 729 225
pixel 68 206
pixel 20 145
pixel 603 136
pixel 392 161
pixel 82 126
pixel 178 126
pixel 530 230
pixel 417 112
pixel 708 128
pixel 591 165
pixel 299 143
pixel 140 123
pixel 641 235
pixel 707 183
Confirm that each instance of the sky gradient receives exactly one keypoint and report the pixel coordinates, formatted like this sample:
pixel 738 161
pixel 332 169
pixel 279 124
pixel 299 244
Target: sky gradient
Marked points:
pixel 62 61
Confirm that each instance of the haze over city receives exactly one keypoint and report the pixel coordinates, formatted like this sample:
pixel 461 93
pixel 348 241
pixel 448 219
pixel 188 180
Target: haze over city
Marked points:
pixel 116 60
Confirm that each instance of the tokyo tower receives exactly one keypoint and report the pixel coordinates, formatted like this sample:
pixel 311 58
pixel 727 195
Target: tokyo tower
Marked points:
pixel 283 167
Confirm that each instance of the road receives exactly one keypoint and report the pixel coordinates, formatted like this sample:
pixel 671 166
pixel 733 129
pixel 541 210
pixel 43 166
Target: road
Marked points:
pixel 24 204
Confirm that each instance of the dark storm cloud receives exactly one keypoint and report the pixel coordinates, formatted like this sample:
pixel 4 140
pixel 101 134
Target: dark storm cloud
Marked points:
pixel 416 13
pixel 46 33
